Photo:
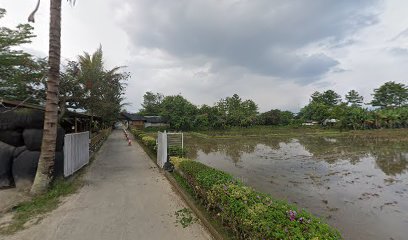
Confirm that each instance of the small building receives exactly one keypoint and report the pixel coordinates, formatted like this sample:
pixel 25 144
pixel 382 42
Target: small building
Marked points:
pixel 329 122
pixel 310 123
pixel 134 120
pixel 138 121
pixel 154 121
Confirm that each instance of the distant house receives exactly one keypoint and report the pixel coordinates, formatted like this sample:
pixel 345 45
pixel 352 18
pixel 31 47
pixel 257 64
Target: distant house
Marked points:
pixel 134 120
pixel 310 123
pixel 139 121
pixel 329 122
pixel 154 121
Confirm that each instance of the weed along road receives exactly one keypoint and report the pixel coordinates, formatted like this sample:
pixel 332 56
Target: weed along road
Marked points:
pixel 124 197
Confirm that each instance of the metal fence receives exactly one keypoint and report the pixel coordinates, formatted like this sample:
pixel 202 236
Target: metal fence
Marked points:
pixel 76 152
pixel 175 139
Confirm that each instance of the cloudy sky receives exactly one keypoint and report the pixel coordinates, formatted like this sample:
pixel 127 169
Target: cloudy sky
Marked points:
pixel 276 52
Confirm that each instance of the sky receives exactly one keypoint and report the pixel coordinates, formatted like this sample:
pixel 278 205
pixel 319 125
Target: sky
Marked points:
pixel 276 52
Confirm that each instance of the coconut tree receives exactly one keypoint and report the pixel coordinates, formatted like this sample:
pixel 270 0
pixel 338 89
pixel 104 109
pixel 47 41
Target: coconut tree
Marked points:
pixel 45 167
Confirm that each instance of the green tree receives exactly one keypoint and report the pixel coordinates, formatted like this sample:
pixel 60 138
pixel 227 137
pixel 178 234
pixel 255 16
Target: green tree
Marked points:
pixel 72 91
pixel 151 104
pixel 101 89
pixel 179 112
pixel 315 111
pixel 275 117
pixel 328 98
pixel 353 98
pixel 209 118
pixel 237 112
pixel 21 75
pixel 390 95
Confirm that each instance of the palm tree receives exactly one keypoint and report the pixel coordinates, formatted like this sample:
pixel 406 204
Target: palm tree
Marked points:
pixel 45 167
pixel 104 88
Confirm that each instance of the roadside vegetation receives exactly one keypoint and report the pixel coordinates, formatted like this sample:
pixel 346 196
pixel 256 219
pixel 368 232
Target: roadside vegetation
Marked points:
pixel 30 212
pixel 248 214
pixel 388 109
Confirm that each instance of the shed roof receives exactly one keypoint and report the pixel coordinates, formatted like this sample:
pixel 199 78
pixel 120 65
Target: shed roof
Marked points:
pixel 6 105
pixel 133 116
pixel 154 119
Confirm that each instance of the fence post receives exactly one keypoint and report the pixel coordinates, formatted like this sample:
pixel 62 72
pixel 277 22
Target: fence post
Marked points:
pixel 161 148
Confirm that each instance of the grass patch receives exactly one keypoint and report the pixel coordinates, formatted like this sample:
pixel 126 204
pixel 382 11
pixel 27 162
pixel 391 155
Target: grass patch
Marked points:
pixel 44 203
pixel 41 204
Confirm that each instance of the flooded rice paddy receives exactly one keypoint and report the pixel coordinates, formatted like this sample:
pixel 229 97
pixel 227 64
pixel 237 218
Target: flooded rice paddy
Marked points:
pixel 357 182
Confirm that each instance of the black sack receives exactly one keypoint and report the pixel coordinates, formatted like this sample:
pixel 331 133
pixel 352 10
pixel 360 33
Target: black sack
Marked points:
pixel 33 139
pixel 12 137
pixel 6 158
pixel 22 118
pixel 24 168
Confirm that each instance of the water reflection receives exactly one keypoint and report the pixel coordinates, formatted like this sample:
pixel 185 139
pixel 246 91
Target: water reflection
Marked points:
pixel 390 156
pixel 359 184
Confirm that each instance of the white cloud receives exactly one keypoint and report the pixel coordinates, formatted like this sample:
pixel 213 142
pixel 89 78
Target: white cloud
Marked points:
pixel 275 52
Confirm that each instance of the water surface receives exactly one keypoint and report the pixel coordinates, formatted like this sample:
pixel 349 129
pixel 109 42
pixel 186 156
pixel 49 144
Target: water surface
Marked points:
pixel 359 184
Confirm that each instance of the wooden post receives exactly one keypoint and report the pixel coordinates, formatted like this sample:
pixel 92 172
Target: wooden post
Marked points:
pixel 76 124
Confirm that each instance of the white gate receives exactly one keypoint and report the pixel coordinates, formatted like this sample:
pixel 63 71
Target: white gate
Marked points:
pixel 164 142
pixel 76 152
pixel 161 148
pixel 175 139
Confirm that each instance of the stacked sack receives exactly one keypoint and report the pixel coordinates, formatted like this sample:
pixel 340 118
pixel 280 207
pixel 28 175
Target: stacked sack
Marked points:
pixel 20 145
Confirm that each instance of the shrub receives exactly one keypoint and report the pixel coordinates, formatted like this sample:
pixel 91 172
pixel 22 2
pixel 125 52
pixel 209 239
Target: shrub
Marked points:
pixel 176 151
pixel 251 214
pixel 177 160
pixel 150 142
pixel 136 132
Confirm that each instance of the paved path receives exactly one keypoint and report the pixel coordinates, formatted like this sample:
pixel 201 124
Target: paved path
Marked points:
pixel 125 197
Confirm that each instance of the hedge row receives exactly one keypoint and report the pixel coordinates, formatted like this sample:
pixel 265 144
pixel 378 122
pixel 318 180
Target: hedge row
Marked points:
pixel 148 141
pixel 248 213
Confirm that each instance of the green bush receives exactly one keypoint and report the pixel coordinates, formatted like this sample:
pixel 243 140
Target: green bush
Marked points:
pixel 251 214
pixel 176 151
pixel 136 132
pixel 150 142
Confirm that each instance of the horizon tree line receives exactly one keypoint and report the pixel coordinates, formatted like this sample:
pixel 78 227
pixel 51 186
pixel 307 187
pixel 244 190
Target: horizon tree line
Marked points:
pixel 390 102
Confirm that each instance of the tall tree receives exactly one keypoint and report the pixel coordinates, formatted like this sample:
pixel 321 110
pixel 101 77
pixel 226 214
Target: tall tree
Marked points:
pixel 275 117
pixel 353 98
pixel 103 89
pixel 390 94
pixel 151 104
pixel 328 98
pixel 179 112
pixel 45 167
pixel 22 76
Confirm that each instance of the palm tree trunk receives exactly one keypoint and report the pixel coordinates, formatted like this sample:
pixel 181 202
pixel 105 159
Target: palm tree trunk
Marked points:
pixel 46 162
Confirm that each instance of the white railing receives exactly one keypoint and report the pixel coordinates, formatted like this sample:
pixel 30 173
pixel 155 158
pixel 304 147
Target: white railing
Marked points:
pixel 76 152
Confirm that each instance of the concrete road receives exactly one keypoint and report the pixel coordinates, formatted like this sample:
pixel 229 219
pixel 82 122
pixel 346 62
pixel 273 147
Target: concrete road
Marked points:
pixel 125 197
